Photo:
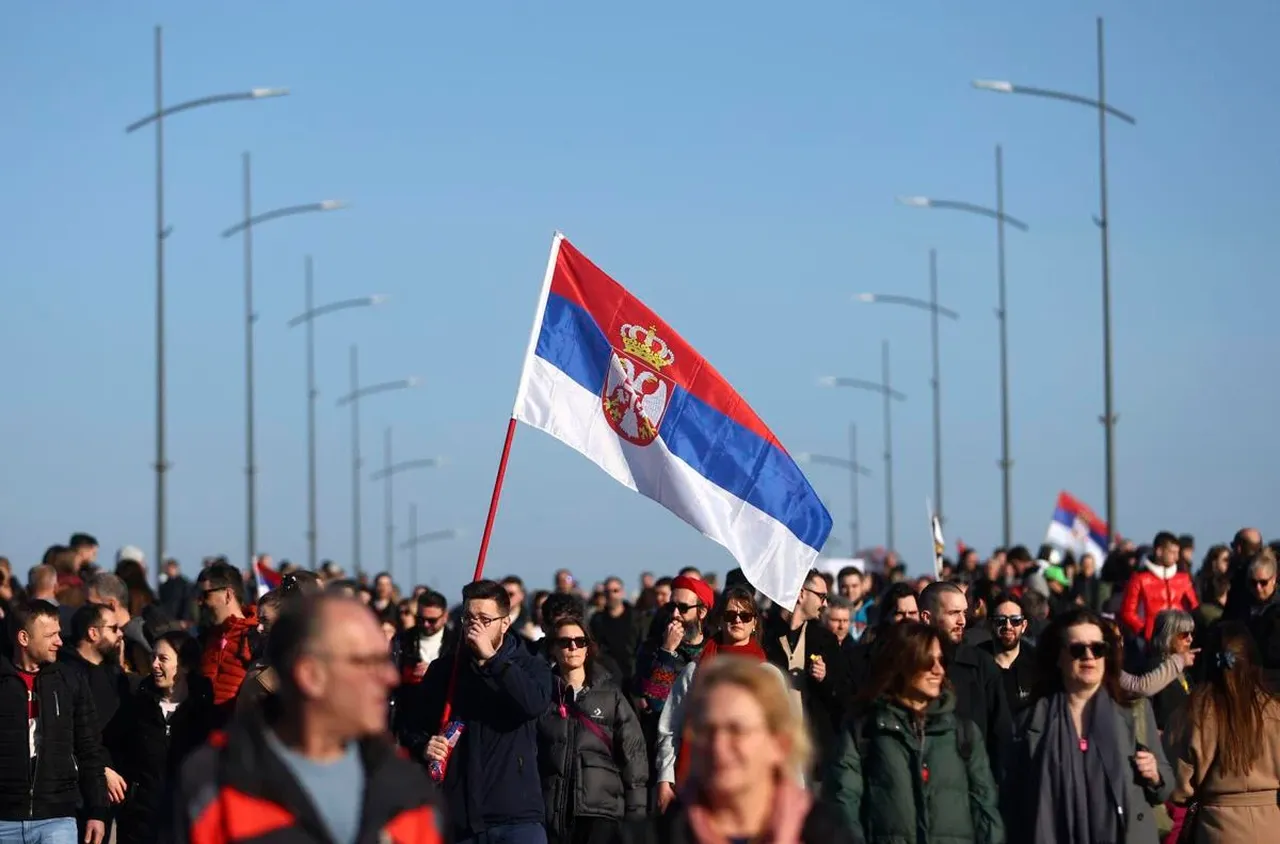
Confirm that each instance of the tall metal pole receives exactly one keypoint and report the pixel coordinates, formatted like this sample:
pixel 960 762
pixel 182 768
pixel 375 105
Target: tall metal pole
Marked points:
pixel 937 384
pixel 853 471
pixel 1006 463
pixel 162 463
pixel 312 394
pixel 413 546
pixel 388 504
pixel 355 460
pixel 888 449
pixel 1104 224
pixel 251 467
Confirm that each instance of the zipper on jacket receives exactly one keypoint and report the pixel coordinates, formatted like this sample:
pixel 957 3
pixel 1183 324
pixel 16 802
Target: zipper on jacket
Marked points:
pixel 33 765
pixel 57 706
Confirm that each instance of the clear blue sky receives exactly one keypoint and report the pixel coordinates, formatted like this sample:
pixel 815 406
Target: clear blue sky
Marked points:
pixel 734 164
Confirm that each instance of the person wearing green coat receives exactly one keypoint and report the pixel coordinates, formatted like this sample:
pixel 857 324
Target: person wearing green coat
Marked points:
pixel 909 770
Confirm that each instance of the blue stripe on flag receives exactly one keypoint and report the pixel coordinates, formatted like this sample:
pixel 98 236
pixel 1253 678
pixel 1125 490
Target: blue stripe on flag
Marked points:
pixel 724 452
pixel 573 343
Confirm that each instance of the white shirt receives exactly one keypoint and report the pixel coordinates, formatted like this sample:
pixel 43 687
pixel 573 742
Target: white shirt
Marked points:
pixel 429 647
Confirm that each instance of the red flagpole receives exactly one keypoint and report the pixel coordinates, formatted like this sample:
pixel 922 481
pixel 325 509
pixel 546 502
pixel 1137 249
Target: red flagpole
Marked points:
pixel 484 550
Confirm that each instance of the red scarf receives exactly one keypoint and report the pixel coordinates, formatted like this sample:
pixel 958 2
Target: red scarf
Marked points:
pixel 749 650
pixel 791 805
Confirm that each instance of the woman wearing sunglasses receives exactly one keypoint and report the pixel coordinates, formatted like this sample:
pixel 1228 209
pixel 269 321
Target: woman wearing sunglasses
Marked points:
pixel 591 751
pixel 736 630
pixel 1087 763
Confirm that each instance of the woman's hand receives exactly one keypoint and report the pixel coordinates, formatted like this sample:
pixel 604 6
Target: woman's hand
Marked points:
pixel 666 794
pixel 1145 762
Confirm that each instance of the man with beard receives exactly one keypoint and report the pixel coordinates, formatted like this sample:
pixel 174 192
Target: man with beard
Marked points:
pixel 973 674
pixel 491 783
pixel 667 652
pixel 1014 658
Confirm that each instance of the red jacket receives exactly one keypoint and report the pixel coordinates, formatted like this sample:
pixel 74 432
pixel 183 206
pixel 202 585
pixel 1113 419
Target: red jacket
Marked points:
pixel 1155 588
pixel 227 655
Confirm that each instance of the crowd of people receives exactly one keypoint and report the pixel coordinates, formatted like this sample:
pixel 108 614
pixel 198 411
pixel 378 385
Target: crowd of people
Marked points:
pixel 1024 698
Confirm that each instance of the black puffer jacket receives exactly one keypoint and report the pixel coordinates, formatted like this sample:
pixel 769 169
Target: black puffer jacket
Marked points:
pixel 69 763
pixel 591 755
pixel 149 751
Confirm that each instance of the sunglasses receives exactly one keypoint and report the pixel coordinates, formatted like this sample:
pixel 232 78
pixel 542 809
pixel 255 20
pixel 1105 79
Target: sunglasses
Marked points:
pixel 821 596
pixel 571 643
pixel 1262 584
pixel 739 616
pixel 1097 650
pixel 1007 620
pixel 430 620
pixel 684 608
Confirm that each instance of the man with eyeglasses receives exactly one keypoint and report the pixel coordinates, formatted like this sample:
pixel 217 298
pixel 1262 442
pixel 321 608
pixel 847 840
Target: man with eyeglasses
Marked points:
pixel 312 763
pixel 1013 656
pixel 227 631
pixel 428 639
pixel 491 785
pixel 807 652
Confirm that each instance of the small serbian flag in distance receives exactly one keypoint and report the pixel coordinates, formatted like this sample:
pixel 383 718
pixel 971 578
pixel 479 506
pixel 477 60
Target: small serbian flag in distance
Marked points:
pixel 1077 529
pixel 608 378
pixel 268 578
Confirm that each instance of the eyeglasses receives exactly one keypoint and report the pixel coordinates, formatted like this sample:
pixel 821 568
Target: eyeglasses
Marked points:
pixel 114 628
pixel 571 643
pixel 1097 650
pixel 365 661
pixel 1263 584
pixel 430 621
pixel 739 616
pixel 684 608
pixel 1007 620
pixel 482 620
pixel 821 596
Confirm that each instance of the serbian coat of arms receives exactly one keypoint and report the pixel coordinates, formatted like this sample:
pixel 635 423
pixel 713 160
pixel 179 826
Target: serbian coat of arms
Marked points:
pixel 635 394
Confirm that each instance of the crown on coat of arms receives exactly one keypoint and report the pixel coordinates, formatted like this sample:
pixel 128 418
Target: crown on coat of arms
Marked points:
pixel 646 345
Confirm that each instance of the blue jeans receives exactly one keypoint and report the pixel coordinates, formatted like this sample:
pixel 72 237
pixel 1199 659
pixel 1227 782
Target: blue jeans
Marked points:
pixel 519 833
pixel 53 831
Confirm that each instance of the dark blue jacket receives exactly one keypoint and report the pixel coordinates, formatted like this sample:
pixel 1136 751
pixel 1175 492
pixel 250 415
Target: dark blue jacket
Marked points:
pixel 492 778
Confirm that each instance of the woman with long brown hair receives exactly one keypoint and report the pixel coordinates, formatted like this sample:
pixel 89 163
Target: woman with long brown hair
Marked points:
pixel 735 629
pixel 1225 747
pixel 1086 760
pixel 909 767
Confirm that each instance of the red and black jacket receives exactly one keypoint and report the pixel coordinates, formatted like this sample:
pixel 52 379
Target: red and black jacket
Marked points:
pixel 236 789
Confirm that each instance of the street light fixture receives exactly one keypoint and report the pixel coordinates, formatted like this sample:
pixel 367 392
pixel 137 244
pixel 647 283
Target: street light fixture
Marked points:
pixel 885 388
pixel 1102 221
pixel 246 226
pixel 850 465
pixel 935 310
pixel 416 539
pixel 308 318
pixel 354 398
pixel 386 474
pixel 162 231
pixel 1002 219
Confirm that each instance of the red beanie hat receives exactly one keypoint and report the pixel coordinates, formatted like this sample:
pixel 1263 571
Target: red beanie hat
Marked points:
pixel 698 587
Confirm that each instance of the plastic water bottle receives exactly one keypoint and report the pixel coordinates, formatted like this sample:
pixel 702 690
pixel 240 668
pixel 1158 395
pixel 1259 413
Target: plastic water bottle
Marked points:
pixel 437 767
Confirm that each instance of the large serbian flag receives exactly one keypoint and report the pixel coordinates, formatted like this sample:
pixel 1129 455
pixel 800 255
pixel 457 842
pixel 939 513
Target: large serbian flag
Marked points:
pixel 1077 529
pixel 608 378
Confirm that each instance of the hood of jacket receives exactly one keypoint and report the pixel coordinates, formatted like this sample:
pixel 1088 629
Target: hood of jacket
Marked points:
pixel 1162 572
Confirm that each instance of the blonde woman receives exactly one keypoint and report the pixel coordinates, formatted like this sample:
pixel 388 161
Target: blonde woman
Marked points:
pixel 750 750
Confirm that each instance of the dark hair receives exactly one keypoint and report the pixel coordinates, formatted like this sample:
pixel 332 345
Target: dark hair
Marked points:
pixel 1053 640
pixel 81 540
pixel 432 598
pixel 1018 554
pixel 561 605
pixel 592 648
pixel 299 583
pixel 1006 598
pixel 902 652
pixel 847 571
pixel 487 590
pixel 740 595
pixel 1163 539
pixel 222 575
pixel 186 646
pixel 888 602
pixel 930 598
pixel 513 580
pixel 1186 541
pixel 663 581
pixel 85 619
pixel 24 613
pixel 693 570
pixel 1233 689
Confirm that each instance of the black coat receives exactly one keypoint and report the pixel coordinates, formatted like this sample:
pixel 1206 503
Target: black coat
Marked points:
pixel 599 771
pixel 825 703
pixel 492 776
pixel 823 825
pixel 619 638
pixel 980 698
pixel 149 751
pixel 109 686
pixel 1019 679
pixel 68 767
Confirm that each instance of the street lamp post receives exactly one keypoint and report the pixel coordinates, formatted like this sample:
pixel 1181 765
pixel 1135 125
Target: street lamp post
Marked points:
pixel 386 475
pixel 416 539
pixel 308 318
pixel 353 398
pixel 855 470
pixel 246 225
pixel 885 388
pixel 1103 222
pixel 162 232
pixel 998 214
pixel 935 310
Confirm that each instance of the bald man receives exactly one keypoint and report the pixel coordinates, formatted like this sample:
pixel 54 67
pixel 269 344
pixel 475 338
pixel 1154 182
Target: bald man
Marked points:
pixel 323 735
pixel 1244 547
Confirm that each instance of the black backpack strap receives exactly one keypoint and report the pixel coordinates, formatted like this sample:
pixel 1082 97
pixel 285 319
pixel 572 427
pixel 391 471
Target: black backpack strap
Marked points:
pixel 964 738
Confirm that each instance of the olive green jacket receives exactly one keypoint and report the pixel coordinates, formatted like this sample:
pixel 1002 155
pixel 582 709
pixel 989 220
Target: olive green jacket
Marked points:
pixel 907 781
